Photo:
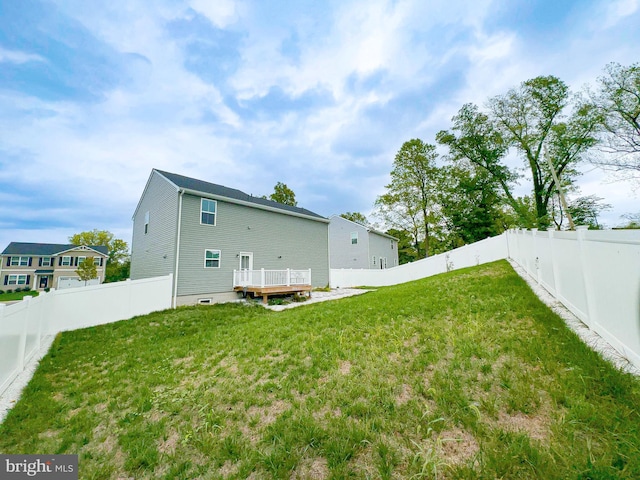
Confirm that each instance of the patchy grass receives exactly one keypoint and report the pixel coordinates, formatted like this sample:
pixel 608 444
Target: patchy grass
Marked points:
pixel 463 375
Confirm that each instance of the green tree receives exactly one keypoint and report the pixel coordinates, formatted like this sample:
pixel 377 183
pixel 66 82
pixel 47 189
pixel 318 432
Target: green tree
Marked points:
pixel 411 192
pixel 584 210
pixel 356 217
pixel 529 118
pixel 87 270
pixel 475 139
pixel 471 205
pixel 406 248
pixel 118 263
pixel 283 194
pixel 617 99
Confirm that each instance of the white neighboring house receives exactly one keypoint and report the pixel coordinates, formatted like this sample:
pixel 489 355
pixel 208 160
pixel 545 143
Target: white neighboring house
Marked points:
pixel 352 245
pixel 47 265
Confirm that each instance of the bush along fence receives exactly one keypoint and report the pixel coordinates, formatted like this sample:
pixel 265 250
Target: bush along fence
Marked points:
pixel 594 273
pixel 24 325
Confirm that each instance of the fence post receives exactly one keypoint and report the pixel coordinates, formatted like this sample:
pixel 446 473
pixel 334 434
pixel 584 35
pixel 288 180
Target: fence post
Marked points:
pixel 536 258
pixel 288 277
pixel 262 277
pixel 554 267
pixel 581 231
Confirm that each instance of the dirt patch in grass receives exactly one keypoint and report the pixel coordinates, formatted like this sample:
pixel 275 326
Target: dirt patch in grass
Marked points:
pixel 228 469
pixel 405 395
pixel 345 367
pixel 183 361
pixel 169 444
pixel 457 446
pixel 269 414
pixel 535 426
pixel 311 469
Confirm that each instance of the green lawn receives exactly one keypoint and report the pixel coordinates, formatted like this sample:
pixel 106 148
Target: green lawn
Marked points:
pixel 13 296
pixel 462 375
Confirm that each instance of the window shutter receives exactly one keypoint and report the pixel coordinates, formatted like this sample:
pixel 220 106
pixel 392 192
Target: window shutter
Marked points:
pixel 8 262
pixel 6 279
pixel 30 260
pixel 28 279
pixel 101 260
pixel 75 262
pixel 40 261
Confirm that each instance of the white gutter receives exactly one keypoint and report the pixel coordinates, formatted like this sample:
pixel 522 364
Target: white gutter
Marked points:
pixel 174 300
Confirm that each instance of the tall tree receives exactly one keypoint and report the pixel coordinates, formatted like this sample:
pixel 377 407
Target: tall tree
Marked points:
pixel 356 217
pixel 412 189
pixel 530 118
pixel 117 267
pixel 618 102
pixel 283 194
pixel 474 138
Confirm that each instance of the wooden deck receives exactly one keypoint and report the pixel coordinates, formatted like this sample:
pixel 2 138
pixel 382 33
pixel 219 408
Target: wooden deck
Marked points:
pixel 264 292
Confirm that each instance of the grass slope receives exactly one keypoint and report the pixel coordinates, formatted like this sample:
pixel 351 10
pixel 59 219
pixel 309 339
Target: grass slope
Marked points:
pixel 462 375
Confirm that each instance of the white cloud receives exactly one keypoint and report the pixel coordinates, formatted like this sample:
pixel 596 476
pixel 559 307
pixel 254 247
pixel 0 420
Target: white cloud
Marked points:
pixel 619 10
pixel 221 13
pixel 15 56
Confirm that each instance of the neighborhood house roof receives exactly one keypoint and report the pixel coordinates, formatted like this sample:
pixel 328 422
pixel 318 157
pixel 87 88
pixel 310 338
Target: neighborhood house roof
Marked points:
pixel 207 188
pixel 367 227
pixel 40 249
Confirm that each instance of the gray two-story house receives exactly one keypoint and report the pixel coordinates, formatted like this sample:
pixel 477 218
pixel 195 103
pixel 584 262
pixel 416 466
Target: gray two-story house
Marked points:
pixel 353 245
pixel 215 239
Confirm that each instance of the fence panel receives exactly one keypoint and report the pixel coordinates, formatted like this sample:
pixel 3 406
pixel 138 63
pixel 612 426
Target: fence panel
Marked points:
pixel 484 251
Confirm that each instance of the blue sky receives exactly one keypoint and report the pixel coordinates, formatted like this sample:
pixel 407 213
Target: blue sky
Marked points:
pixel 318 95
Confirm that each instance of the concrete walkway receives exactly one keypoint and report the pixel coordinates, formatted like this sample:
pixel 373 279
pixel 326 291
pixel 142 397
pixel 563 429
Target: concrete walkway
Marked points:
pixel 333 294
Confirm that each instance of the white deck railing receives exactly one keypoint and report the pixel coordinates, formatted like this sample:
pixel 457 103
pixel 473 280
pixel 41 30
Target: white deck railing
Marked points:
pixel 271 278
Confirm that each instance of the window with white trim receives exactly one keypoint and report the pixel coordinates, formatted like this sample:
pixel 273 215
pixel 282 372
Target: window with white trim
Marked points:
pixel 97 261
pixel 208 209
pixel 79 260
pixel 17 280
pixel 212 259
pixel 20 261
pixel 65 261
pixel 46 262
pixel 354 238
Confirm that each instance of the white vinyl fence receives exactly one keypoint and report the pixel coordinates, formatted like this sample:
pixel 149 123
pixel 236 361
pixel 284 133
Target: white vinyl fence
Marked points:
pixel 594 273
pixel 484 251
pixel 24 324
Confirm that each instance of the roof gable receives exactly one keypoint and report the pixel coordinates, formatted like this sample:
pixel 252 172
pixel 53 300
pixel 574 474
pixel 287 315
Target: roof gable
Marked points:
pixel 49 249
pixel 340 218
pixel 200 186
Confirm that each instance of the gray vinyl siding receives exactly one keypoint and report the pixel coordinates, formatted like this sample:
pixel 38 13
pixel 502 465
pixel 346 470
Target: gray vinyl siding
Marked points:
pixel 343 253
pixel 301 244
pixel 380 246
pixel 153 254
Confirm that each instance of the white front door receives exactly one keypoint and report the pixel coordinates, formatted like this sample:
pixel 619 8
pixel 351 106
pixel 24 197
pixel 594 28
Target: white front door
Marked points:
pixel 246 266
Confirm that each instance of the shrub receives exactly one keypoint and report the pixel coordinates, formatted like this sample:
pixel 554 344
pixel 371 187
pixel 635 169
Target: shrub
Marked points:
pixel 1 292
pixel 18 289
pixel 47 289
pixel 26 289
pixel 9 291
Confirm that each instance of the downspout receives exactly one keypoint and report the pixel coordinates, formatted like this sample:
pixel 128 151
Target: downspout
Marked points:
pixel 177 262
